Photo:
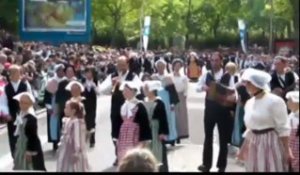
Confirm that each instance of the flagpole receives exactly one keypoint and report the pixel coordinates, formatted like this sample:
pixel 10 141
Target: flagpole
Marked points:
pixel 141 25
pixel 271 28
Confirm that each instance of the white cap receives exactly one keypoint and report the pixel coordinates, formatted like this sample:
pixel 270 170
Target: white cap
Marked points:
pixel 69 86
pixel 132 85
pixel 160 61
pixel 58 66
pixel 293 95
pixel 259 79
pixel 28 94
pixel 153 85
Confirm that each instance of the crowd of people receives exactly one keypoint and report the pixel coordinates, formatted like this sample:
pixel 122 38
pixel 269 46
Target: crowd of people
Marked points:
pixel 248 97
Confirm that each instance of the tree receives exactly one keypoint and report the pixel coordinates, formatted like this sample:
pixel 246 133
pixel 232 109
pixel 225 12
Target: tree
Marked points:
pixel 9 15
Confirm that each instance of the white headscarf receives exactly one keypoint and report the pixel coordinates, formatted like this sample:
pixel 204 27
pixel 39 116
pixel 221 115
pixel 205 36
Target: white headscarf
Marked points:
pixel 19 120
pixel 259 79
pixel 293 95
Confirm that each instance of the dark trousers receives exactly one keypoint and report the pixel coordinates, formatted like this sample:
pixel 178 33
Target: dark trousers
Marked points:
pixel 92 138
pixel 220 116
pixel 165 166
pixel 11 138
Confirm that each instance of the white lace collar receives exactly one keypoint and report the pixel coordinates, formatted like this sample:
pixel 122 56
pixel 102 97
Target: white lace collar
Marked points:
pixel 19 120
pixel 127 108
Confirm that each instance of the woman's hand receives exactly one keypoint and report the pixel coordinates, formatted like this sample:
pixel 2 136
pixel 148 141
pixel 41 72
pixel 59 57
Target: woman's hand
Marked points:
pixel 162 137
pixel 28 157
pixel 288 155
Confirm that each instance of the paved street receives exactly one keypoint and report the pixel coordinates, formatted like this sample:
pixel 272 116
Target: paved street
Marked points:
pixel 182 158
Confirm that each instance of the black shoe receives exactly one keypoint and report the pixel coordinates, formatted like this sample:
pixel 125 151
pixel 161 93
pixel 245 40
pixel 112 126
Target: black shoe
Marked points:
pixel 173 144
pixel 221 170
pixel 92 145
pixel 203 168
pixel 178 141
pixel 55 146
pixel 115 163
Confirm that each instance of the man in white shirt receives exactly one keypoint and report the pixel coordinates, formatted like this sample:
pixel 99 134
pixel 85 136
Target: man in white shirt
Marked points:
pixel 14 87
pixel 215 114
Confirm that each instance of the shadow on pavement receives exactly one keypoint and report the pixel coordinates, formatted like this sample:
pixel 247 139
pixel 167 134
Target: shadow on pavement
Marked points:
pixel 50 155
pixel 174 148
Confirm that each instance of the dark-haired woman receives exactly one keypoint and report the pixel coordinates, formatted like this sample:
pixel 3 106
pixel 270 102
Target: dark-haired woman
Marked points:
pixel 62 95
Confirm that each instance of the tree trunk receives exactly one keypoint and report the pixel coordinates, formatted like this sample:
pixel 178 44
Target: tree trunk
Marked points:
pixel 188 23
pixel 289 30
pixel 295 5
pixel 216 26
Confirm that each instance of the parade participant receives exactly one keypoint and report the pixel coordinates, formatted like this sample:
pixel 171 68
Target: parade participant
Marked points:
pixel 158 122
pixel 239 126
pixel 194 70
pixel 170 98
pixel 112 84
pixel 4 112
pixel 53 121
pixel 231 78
pixel 29 152
pixel 13 88
pixel 135 129
pixel 266 147
pixel 181 85
pixel 282 82
pixel 293 105
pixel 216 112
pixel 90 102
pixel 76 89
pixel 72 153
pixel 62 95
pixel 138 160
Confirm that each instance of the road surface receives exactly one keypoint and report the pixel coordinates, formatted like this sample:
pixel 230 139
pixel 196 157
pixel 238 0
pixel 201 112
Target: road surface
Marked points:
pixel 185 157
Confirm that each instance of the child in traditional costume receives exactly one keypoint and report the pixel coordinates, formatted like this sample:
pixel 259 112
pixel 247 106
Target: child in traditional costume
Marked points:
pixel 293 105
pixel 28 153
pixel 158 122
pixel 135 130
pixel 72 153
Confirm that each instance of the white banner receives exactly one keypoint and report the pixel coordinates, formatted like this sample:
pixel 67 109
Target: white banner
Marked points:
pixel 147 23
pixel 243 31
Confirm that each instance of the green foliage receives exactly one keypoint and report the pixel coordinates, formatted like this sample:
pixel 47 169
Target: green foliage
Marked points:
pixel 118 22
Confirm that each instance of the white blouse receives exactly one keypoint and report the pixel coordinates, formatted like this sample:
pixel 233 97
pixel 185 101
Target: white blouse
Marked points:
pixel 202 80
pixel 181 84
pixel 268 112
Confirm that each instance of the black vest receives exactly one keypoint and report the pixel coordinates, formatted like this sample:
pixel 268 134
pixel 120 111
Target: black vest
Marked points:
pixel 117 98
pixel 13 105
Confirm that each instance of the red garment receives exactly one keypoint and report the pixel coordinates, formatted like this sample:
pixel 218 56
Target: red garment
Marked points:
pixel 294 145
pixel 129 135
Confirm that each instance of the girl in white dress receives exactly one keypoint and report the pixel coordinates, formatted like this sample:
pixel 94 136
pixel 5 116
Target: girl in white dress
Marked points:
pixel 72 153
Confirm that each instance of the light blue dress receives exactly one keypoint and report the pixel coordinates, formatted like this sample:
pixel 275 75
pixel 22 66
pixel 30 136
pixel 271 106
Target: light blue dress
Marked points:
pixel 165 97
